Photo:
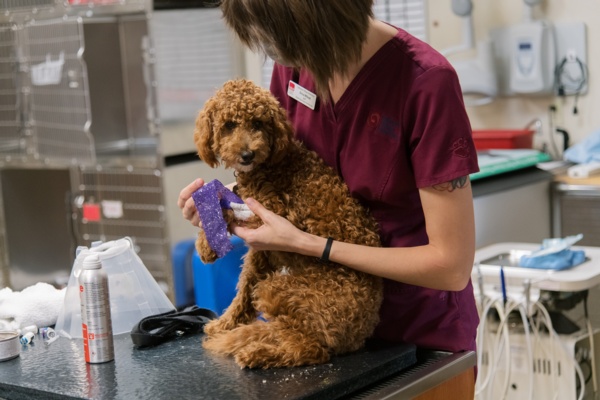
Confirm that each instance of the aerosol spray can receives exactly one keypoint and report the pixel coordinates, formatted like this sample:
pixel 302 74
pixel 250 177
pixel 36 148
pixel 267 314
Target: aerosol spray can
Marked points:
pixel 95 312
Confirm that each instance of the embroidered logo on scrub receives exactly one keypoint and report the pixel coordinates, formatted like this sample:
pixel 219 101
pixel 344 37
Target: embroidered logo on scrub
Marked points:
pixel 460 148
pixel 385 125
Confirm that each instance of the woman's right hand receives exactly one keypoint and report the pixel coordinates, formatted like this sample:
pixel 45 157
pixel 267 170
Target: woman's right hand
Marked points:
pixel 186 203
pixel 275 233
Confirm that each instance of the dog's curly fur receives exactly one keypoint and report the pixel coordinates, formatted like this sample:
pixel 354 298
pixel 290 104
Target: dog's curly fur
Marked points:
pixel 313 310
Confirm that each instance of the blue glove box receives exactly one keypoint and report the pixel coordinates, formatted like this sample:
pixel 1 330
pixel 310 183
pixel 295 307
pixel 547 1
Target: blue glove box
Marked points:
pixel 182 255
pixel 215 284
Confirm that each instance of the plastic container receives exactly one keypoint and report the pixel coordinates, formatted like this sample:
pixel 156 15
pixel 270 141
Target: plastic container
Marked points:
pixel 503 139
pixel 215 284
pixel 134 294
pixel 183 276
pixel 10 346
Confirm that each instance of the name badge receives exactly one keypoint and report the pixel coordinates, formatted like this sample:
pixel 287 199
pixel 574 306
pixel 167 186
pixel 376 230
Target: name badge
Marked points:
pixel 304 96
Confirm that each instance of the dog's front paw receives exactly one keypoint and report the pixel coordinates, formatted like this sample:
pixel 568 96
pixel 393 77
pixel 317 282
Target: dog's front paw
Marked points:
pixel 217 326
pixel 209 258
pixel 206 253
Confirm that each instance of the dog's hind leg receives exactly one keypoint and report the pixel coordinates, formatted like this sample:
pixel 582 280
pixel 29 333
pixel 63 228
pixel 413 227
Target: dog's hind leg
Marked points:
pixel 241 309
pixel 269 345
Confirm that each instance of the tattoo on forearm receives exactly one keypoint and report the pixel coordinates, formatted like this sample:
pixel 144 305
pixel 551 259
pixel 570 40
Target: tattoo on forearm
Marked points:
pixel 450 186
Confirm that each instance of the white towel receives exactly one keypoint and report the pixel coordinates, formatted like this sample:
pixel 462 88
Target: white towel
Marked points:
pixel 38 305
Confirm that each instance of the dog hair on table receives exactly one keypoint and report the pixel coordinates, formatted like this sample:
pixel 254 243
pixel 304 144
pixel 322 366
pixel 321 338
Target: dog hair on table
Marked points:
pixel 309 310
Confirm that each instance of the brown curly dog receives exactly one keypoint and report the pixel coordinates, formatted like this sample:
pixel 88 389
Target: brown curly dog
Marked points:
pixel 312 310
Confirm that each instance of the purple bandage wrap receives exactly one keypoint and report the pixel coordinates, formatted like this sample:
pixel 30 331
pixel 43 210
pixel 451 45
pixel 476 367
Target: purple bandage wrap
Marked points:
pixel 210 199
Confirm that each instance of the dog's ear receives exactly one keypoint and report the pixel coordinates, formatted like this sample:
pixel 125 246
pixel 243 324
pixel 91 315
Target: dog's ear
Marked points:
pixel 203 138
pixel 284 133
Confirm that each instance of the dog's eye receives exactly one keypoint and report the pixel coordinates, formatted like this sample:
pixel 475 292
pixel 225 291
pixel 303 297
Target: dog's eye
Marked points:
pixel 230 125
pixel 257 125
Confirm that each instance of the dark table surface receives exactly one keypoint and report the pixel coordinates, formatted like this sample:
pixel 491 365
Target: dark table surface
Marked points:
pixel 181 369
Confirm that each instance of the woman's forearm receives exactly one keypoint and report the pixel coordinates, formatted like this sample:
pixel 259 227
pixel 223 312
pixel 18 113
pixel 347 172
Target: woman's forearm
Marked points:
pixel 421 265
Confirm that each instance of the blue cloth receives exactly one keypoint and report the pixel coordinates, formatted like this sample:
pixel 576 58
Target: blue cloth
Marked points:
pixel 586 151
pixel 556 261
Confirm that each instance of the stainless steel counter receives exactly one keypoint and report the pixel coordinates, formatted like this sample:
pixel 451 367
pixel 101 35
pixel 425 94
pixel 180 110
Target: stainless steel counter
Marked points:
pixel 182 369
pixel 432 369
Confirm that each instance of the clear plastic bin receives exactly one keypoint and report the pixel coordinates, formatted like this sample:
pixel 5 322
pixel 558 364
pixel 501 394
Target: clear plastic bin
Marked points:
pixel 134 294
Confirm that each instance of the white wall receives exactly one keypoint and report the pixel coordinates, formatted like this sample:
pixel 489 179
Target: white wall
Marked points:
pixel 445 30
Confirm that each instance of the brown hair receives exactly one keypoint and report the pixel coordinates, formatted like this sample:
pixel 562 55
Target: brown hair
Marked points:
pixel 323 36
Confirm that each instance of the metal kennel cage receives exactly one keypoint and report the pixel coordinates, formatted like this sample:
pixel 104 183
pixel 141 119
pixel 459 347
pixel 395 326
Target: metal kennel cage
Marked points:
pixel 79 139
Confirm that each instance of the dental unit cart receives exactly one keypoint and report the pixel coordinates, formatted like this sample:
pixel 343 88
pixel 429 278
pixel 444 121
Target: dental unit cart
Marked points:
pixel 517 359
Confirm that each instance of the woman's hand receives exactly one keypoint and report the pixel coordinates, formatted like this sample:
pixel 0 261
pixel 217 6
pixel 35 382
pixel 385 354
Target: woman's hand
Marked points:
pixel 186 203
pixel 276 233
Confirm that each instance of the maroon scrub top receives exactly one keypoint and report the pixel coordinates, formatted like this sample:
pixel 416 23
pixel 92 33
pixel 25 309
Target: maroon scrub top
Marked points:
pixel 400 125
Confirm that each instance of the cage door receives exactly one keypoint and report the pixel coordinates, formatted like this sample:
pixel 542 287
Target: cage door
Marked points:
pixel 12 142
pixel 59 114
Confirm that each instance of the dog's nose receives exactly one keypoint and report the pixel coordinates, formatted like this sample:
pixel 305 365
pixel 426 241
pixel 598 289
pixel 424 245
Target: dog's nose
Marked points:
pixel 247 156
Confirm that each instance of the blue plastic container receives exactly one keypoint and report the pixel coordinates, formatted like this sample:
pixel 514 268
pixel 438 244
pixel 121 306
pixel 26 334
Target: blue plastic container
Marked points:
pixel 183 279
pixel 215 284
